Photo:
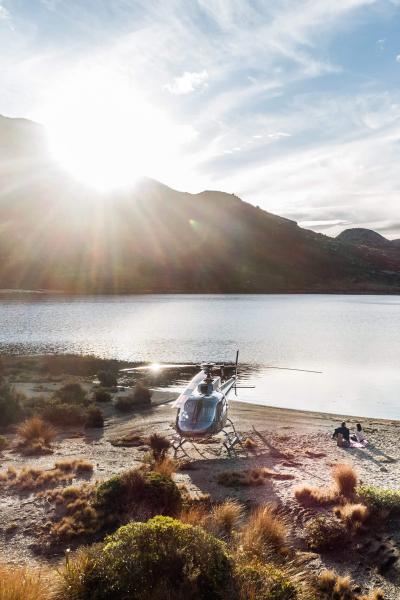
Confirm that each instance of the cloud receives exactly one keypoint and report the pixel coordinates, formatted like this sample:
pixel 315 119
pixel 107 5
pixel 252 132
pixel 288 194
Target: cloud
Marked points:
pixel 188 82
pixel 277 135
pixel 398 58
pixel 4 13
pixel 381 44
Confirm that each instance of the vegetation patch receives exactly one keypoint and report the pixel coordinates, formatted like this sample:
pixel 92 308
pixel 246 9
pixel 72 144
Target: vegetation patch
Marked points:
pixel 21 583
pixel 380 499
pixel 331 586
pixel 94 417
pixel 264 533
pixel 264 582
pixel 250 477
pixel 31 479
pixel 161 559
pixel 11 405
pixel 35 437
pixel 324 533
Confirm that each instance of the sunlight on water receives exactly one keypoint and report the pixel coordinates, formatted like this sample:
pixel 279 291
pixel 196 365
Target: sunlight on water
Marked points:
pixel 350 343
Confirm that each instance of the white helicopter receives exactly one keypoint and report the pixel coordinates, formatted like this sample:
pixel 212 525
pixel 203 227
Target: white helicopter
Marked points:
pixel 202 408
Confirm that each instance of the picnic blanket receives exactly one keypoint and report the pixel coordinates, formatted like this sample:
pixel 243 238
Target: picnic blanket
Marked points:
pixel 362 444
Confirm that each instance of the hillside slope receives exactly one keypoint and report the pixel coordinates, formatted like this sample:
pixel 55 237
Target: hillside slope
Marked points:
pixel 57 234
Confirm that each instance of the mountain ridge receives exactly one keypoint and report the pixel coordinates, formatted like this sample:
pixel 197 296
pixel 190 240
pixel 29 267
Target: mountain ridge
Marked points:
pixel 57 234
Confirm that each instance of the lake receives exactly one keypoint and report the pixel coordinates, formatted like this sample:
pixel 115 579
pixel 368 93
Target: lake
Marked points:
pixel 337 354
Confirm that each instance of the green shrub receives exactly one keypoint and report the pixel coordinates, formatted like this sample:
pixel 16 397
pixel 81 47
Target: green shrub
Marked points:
pixel 161 559
pixel 71 393
pixel 94 417
pixel 3 442
pixel 107 379
pixel 138 493
pixel 11 409
pixel 264 582
pixel 63 414
pixel 326 533
pixel 380 499
pixel 102 396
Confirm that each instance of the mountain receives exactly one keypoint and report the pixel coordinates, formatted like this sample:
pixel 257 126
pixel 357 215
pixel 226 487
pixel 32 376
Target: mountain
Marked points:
pixel 364 237
pixel 56 234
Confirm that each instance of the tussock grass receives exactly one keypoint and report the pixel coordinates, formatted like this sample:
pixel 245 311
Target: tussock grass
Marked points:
pixel 225 518
pixel 30 478
pixel 75 464
pixel 332 586
pixel 20 583
pixel 166 466
pixel 353 515
pixel 159 446
pixel 36 436
pixel 250 477
pixel 346 479
pixel 309 496
pixel 250 444
pixel 265 532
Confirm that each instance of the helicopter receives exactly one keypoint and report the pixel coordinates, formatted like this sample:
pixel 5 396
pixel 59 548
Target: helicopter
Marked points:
pixel 202 408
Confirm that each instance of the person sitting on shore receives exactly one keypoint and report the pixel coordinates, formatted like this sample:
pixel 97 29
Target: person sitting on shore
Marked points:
pixel 359 435
pixel 342 434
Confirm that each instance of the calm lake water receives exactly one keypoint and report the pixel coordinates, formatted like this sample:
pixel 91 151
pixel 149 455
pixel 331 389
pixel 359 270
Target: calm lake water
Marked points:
pixel 337 354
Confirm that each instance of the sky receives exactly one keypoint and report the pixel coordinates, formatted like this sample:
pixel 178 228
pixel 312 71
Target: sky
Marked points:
pixel 292 105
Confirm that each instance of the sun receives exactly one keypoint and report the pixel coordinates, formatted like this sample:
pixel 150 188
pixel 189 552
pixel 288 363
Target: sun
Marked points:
pixel 105 134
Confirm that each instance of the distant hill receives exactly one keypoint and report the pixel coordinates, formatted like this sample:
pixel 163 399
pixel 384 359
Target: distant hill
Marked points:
pixel 366 237
pixel 59 235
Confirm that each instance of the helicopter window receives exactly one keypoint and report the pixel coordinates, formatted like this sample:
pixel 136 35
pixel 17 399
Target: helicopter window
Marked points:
pixel 199 410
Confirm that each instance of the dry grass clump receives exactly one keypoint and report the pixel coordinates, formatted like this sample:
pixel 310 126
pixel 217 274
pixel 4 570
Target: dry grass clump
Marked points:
pixel 225 518
pixel 346 479
pixel 354 515
pixel 20 583
pixel 159 446
pixel 309 496
pixel 250 477
pixel 130 440
pixel 79 465
pixel 337 587
pixel 36 436
pixel 196 514
pixel 265 532
pixel 30 478
pixel 250 444
pixel 166 466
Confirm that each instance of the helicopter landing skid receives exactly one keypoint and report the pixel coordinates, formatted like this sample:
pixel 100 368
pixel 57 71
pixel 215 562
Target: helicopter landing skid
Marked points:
pixel 178 446
pixel 232 439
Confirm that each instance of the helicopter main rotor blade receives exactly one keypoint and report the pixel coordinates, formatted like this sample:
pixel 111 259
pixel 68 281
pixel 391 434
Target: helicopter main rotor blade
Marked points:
pixel 180 401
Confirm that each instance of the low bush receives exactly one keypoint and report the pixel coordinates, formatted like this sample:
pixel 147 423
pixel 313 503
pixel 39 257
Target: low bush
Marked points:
pixel 141 394
pixel 107 379
pixel 380 499
pixel 124 403
pixel 21 583
pixel 166 466
pixel 161 559
pixel 71 393
pixel 3 443
pixel 11 406
pixel 324 533
pixel 346 480
pixel 264 582
pixel 264 533
pixel 30 478
pixel 62 414
pixel 102 396
pixel 139 494
pixel 94 417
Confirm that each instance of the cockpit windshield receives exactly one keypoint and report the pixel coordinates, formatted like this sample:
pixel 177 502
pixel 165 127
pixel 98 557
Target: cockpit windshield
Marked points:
pixel 198 413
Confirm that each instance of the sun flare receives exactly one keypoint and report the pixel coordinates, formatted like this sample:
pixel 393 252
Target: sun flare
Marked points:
pixel 106 135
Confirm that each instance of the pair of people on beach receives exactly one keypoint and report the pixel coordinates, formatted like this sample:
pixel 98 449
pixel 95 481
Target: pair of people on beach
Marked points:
pixel 342 434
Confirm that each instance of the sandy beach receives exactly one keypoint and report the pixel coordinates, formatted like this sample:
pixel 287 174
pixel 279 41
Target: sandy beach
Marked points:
pixel 299 446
